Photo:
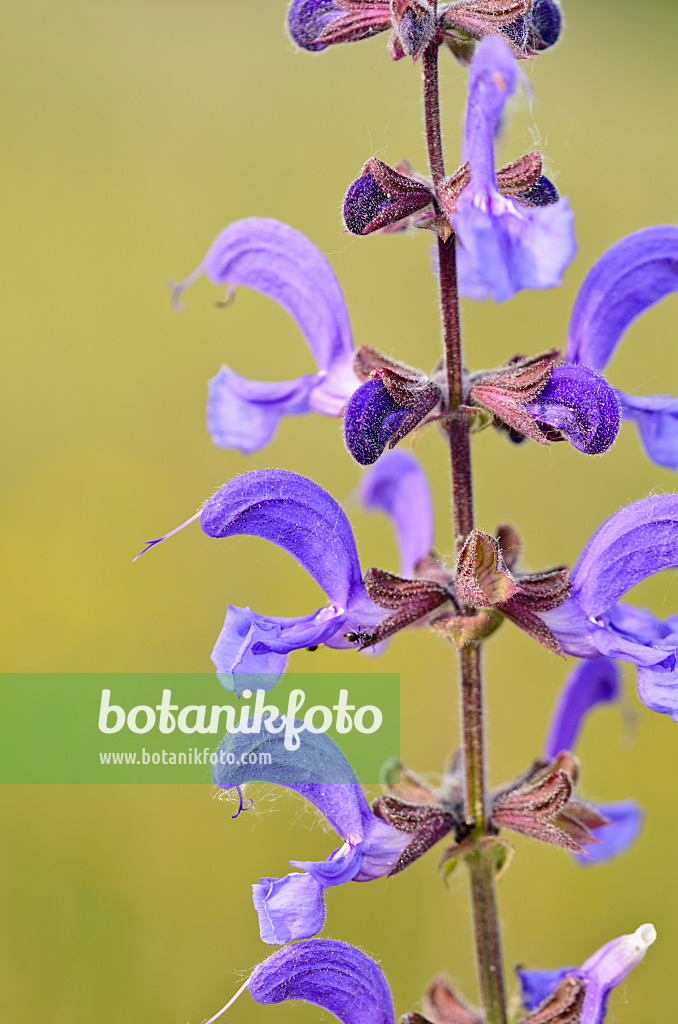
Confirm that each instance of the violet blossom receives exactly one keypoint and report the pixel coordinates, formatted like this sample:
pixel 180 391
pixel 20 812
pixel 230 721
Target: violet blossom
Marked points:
pixel 504 245
pixel 597 976
pixel 628 279
pixel 279 262
pixel 293 907
pixel 633 544
pixel 333 975
pixel 590 684
pixel 304 520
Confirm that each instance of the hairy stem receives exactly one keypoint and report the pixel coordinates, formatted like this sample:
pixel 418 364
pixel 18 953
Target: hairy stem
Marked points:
pixel 488 945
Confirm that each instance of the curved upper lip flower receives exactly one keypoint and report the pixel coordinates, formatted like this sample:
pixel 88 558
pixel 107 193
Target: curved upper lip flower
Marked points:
pixel 587 987
pixel 505 245
pixel 631 545
pixel 281 263
pixel 304 520
pixel 293 907
pixel 630 277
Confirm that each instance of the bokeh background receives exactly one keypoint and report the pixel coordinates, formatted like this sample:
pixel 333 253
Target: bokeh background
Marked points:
pixel 133 133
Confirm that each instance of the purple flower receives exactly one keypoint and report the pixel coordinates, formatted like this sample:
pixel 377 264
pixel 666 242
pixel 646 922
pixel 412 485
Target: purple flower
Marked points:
pixel 581 406
pixel 631 545
pixel 278 261
pixel 316 24
pixel 590 684
pixel 293 907
pixel 398 488
pixel 333 975
pixel 633 275
pixel 304 520
pixel 597 976
pixel 505 246
pixel 538 29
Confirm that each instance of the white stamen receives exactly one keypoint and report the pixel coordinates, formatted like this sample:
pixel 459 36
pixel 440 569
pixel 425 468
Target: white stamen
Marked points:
pixel 229 1003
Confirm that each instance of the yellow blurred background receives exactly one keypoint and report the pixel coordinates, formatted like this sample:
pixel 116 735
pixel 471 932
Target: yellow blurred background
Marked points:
pixel 133 133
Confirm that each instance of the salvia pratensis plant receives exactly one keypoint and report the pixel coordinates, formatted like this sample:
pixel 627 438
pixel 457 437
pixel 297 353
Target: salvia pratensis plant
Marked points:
pixel 496 230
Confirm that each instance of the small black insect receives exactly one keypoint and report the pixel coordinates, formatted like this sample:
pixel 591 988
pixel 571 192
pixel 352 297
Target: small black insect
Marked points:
pixel 360 637
pixel 313 648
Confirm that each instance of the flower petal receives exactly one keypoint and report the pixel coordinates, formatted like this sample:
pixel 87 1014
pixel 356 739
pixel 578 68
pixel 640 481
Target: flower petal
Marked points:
pixel 537 986
pixel 342 867
pixel 283 264
pixel 631 545
pixel 656 417
pixel 289 908
pixel 609 966
pixel 330 974
pixel 397 486
pixel 297 515
pixel 630 277
pixel 372 418
pixel 244 414
pixel 592 683
pixel 506 247
pixel 579 403
pixel 626 821
pixel 658 687
pixel 256 644
pixel 306 20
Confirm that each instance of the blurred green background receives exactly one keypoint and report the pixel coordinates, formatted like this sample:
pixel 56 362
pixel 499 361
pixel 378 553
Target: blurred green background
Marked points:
pixel 133 133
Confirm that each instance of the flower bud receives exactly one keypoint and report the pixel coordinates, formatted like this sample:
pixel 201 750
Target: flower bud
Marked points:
pixel 306 20
pixel 542 193
pixel 537 30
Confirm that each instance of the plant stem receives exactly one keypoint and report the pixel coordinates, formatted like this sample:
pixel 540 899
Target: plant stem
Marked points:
pixel 488 944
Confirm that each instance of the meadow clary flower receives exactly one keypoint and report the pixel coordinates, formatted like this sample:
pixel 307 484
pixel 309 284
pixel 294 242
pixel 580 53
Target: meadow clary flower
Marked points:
pixel 293 907
pixel 634 543
pixel 593 982
pixel 505 246
pixel 279 262
pixel 628 279
pixel 333 975
pixel 304 520
pixel 590 684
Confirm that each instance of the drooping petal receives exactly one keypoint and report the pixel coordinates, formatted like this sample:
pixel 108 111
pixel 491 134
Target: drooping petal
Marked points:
pixel 639 540
pixel 244 414
pixel 341 867
pixel 297 515
pixel 283 264
pixel 333 975
pixel 397 486
pixel 289 908
pixel 257 644
pixel 658 685
pixel 579 403
pixel 630 277
pixel 626 822
pixel 591 683
pixel 372 418
pixel 656 417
